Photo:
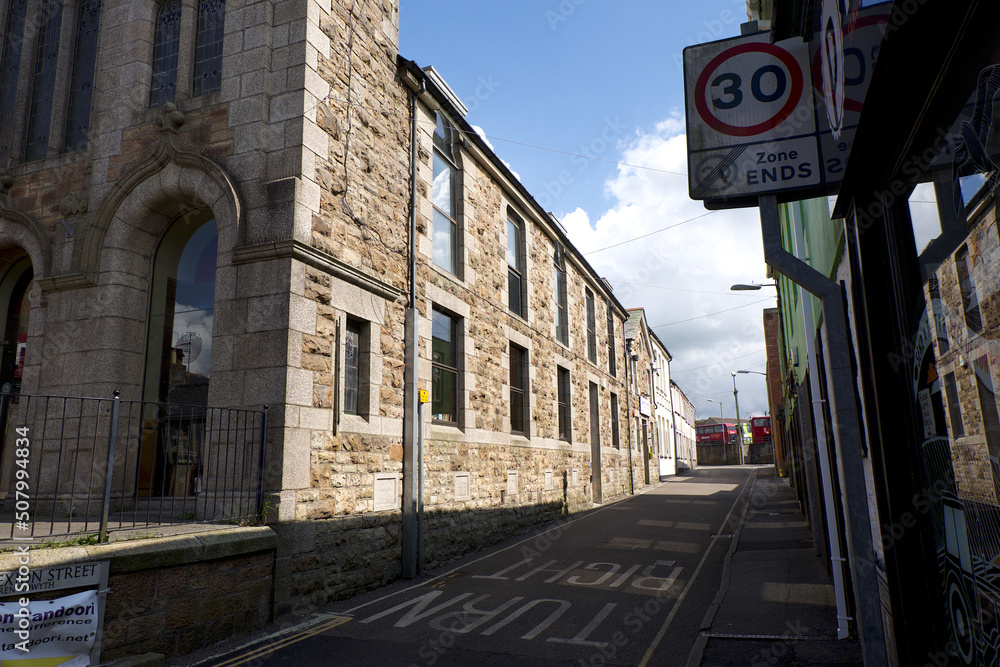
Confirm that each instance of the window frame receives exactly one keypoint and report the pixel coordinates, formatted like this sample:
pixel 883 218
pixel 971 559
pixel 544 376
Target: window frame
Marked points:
pixel 11 62
pixel 612 364
pixel 561 295
pixel 360 381
pixel 41 94
pixel 166 50
pixel 208 38
pixel 444 151
pixel 82 77
pixel 564 404
pixel 591 325
pixel 519 373
pixel 440 367
pixel 517 298
pixel 615 422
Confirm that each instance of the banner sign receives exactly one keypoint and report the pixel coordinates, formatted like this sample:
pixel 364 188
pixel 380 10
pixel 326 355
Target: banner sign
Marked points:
pixel 49 632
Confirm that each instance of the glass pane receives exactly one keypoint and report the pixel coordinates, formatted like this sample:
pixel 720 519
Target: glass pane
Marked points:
pixel 352 360
pixel 444 242
pixel 443 389
pixel 441 189
pixel 10 67
pixel 179 356
pixel 513 245
pixel 517 411
pixel 514 292
pixel 82 85
pixel 444 136
pixel 165 46
pixel 443 351
pixel 208 48
pixel 46 60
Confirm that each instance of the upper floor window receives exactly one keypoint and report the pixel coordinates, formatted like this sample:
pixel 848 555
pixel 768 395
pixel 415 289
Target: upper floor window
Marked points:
pixel 81 90
pixel 562 319
pixel 967 286
pixel 615 438
pixel 591 327
pixel 444 362
pixel 208 47
pixel 43 82
pixel 445 197
pixel 612 367
pixel 166 45
pixel 10 68
pixel 515 266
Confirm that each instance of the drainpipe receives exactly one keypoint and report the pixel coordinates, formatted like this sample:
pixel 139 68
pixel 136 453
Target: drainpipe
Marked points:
pixel 628 410
pixel 847 431
pixel 411 547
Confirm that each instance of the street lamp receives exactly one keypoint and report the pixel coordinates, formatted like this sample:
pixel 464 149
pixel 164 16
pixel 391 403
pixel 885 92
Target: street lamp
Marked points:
pixel 752 287
pixel 722 419
pixel 739 427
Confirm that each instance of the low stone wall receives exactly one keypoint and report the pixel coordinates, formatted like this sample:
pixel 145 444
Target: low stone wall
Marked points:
pixel 718 454
pixel 760 454
pixel 174 594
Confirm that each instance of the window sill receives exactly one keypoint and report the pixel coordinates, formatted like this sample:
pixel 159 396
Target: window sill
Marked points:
pixel 450 276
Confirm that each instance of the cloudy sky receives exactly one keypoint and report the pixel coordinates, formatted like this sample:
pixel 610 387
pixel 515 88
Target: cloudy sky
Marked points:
pixel 584 100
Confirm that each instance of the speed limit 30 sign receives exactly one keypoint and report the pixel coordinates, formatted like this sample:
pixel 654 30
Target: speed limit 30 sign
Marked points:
pixel 751 121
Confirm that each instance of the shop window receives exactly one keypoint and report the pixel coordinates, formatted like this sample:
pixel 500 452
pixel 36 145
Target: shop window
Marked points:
pixel 10 67
pixel 208 47
pixel 81 89
pixel 43 82
pixel 591 327
pixel 518 390
pixel 445 365
pixel 179 347
pixel 166 44
pixel 564 398
pixel 516 292
pixel 559 288
pixel 444 196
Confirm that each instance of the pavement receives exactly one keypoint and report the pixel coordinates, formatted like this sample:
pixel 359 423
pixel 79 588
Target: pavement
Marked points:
pixel 776 603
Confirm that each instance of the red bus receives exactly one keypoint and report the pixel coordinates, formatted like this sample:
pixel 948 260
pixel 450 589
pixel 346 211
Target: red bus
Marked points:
pixel 709 433
pixel 760 430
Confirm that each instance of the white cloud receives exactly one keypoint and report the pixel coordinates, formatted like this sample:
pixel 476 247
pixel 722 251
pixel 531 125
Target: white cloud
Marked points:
pixel 682 273
pixel 482 135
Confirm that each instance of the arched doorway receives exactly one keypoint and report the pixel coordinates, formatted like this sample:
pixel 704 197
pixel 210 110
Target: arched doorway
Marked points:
pixel 179 356
pixel 15 311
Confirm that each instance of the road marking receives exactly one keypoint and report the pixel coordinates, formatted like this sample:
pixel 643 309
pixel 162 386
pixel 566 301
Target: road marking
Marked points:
pixel 680 599
pixel 294 639
pixel 580 639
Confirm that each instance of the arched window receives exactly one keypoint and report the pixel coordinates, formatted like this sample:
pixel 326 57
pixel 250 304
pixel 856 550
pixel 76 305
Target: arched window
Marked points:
pixel 208 47
pixel 81 88
pixel 43 82
pixel 10 68
pixel 179 347
pixel 166 42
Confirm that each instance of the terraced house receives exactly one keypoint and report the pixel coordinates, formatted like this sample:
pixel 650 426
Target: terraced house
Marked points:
pixel 206 207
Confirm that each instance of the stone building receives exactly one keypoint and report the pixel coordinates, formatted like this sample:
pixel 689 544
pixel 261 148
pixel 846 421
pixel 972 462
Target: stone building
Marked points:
pixel 684 420
pixel 639 344
pixel 209 201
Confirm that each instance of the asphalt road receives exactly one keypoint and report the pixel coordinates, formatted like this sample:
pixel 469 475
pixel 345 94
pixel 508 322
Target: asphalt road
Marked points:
pixel 626 583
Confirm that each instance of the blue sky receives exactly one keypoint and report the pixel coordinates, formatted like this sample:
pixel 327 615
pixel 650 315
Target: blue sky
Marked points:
pixel 550 81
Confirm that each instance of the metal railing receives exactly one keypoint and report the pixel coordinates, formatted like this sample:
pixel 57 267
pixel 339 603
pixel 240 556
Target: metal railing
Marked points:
pixel 80 465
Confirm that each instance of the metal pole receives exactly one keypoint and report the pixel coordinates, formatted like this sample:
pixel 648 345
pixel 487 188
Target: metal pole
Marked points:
pixel 420 489
pixel 112 437
pixel 847 428
pixel 260 465
pixel 739 426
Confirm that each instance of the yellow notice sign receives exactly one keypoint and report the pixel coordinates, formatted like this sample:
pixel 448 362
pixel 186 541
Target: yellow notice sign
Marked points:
pixel 425 396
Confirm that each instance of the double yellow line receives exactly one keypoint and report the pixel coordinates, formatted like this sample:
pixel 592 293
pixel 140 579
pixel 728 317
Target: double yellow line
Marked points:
pixel 287 641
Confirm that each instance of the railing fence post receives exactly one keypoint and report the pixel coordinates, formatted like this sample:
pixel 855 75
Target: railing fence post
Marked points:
pixel 260 465
pixel 112 437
